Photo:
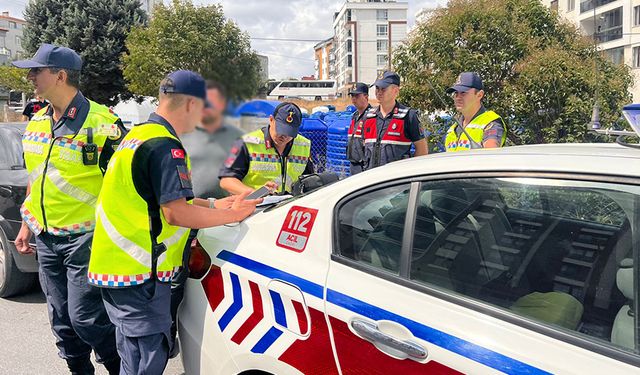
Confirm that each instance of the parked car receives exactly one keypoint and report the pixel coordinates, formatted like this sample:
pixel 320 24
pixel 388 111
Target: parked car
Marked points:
pixel 517 260
pixel 18 273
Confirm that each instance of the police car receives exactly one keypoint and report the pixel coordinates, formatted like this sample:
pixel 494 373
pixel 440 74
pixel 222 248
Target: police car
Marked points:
pixel 522 260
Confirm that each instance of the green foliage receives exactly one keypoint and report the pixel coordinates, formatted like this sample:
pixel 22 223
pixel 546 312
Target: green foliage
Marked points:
pixel 183 36
pixel 539 72
pixel 12 78
pixel 96 29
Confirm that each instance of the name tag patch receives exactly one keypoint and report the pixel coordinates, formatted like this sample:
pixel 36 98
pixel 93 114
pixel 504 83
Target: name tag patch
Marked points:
pixel 33 148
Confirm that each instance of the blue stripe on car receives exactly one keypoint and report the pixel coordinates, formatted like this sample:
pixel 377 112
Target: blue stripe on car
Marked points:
pixel 235 306
pixel 266 341
pixel 278 309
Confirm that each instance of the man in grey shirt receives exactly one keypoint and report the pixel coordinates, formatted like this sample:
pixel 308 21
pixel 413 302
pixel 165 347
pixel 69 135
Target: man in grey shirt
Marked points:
pixel 209 145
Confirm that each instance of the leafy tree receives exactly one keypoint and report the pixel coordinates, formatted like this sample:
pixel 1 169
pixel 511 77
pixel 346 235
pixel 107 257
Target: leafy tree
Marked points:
pixel 96 29
pixel 539 72
pixel 12 78
pixel 183 36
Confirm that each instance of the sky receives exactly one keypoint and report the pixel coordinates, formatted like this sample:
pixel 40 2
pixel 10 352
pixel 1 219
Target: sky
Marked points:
pixel 278 19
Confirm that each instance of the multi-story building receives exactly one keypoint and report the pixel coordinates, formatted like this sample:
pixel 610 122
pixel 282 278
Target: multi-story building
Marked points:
pixel 10 37
pixel 264 68
pixel 325 59
pixel 365 34
pixel 615 25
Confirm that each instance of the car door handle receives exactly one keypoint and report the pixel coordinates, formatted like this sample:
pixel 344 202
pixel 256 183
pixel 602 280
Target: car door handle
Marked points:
pixel 369 331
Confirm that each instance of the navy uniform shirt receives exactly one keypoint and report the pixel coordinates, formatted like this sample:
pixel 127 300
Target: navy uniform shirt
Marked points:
pixel 72 120
pixel 237 164
pixel 494 130
pixel 160 176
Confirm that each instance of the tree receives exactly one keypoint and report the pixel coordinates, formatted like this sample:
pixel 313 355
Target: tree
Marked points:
pixel 96 29
pixel 183 36
pixel 539 72
pixel 12 78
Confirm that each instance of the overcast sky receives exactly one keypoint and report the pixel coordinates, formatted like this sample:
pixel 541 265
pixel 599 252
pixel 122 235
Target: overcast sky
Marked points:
pixel 292 19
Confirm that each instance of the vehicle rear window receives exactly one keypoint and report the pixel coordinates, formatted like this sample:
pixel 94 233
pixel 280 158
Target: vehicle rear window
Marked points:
pixel 10 148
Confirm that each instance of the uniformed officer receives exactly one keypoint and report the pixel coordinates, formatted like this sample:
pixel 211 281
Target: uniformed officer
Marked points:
pixel 272 154
pixel 479 128
pixel 391 128
pixel 67 146
pixel 355 147
pixel 142 215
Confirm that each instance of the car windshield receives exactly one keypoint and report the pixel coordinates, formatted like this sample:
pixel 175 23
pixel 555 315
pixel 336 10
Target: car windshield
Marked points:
pixel 10 148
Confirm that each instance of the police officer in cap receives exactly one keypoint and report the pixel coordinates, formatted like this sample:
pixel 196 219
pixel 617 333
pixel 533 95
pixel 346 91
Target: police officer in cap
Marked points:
pixel 355 147
pixel 143 212
pixel 274 156
pixel 391 128
pixel 477 127
pixel 67 146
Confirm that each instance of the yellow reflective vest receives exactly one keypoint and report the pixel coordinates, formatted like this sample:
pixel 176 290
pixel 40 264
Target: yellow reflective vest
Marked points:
pixel 266 164
pixel 121 253
pixel 63 189
pixel 475 129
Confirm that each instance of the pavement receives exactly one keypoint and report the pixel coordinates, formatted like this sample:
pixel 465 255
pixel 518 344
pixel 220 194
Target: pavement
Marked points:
pixel 28 346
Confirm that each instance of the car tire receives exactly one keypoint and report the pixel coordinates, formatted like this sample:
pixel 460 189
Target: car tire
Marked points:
pixel 12 280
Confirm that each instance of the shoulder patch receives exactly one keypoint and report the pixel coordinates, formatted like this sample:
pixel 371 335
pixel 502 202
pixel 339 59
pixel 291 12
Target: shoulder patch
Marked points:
pixel 372 112
pixel 401 112
pixel 184 176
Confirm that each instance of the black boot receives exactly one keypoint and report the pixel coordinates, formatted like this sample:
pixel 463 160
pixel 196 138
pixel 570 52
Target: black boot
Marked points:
pixel 81 366
pixel 113 366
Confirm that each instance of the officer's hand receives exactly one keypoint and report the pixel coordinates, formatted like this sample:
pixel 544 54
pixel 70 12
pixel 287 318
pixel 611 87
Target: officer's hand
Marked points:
pixel 224 203
pixel 22 240
pixel 271 185
pixel 244 207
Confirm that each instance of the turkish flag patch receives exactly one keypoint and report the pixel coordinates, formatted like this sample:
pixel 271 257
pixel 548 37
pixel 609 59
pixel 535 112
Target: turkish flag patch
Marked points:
pixel 177 153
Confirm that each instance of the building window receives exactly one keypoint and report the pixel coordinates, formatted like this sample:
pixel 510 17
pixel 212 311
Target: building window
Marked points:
pixel 382 30
pixel 616 55
pixel 12 25
pixel 587 5
pixel 349 61
pixel 610 27
pixel 18 41
pixel 636 57
pixel 382 60
pixel 554 5
pixel 348 15
pixel 383 45
pixel 571 5
pixel 382 14
pixel 349 45
pixel 636 16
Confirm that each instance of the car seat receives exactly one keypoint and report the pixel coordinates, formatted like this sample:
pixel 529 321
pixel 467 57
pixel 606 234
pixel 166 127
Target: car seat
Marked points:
pixel 622 332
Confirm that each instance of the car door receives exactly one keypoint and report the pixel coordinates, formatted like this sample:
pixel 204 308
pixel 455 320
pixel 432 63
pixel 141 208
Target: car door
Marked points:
pixel 511 273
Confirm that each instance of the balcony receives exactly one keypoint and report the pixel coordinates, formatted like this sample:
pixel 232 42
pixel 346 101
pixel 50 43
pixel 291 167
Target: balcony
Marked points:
pixel 587 5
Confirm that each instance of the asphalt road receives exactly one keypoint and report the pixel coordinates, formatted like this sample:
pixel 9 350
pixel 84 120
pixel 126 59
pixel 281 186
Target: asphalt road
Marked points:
pixel 27 345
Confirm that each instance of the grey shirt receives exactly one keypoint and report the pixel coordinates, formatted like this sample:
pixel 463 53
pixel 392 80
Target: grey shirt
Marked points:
pixel 207 152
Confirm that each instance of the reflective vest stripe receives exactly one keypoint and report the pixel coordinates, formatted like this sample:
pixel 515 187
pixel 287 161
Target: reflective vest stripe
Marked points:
pixel 37 172
pixel 73 191
pixel 136 252
pixel 31 221
pixel 171 241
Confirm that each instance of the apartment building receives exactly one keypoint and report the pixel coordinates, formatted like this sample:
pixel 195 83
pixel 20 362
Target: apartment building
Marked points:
pixel 365 34
pixel 324 59
pixel 10 37
pixel 615 24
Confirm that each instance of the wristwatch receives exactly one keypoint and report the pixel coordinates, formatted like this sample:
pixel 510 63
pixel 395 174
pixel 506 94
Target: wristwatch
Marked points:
pixel 211 202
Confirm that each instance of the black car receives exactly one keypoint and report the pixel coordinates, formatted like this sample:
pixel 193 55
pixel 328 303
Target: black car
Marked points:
pixel 18 273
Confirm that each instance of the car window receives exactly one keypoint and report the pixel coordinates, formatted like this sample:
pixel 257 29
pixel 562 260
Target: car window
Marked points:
pixel 371 227
pixel 10 148
pixel 555 251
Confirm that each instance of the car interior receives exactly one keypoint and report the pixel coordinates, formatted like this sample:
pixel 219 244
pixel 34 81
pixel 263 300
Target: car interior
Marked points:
pixel 558 269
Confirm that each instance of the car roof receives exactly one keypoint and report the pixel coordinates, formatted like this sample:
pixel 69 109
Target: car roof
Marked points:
pixel 590 158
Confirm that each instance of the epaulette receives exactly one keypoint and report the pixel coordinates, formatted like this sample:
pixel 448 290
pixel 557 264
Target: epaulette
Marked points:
pixel 251 139
pixel 372 112
pixel 400 112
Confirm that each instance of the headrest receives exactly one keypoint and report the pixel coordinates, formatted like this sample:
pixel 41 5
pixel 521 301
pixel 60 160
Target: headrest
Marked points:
pixel 624 278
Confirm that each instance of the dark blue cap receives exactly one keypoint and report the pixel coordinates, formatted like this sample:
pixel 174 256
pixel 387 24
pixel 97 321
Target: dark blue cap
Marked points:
pixel 186 82
pixel 288 119
pixel 50 56
pixel 387 78
pixel 465 82
pixel 359 88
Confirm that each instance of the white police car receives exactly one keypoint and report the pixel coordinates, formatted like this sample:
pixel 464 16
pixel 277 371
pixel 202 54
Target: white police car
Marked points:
pixel 520 260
